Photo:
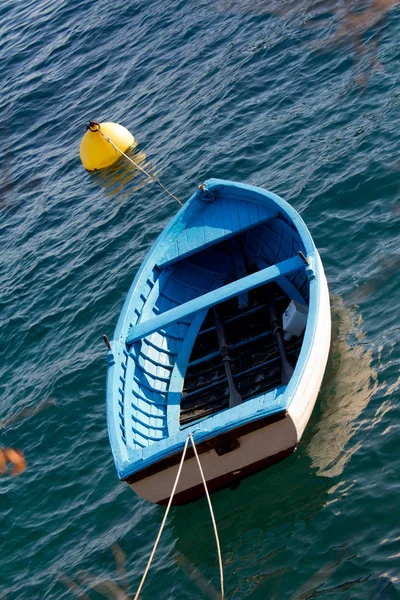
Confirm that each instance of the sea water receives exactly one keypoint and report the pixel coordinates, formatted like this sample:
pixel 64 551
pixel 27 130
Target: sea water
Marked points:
pixel 300 97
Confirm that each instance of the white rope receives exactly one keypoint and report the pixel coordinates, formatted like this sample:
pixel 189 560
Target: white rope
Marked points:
pixel 221 571
pixel 164 519
pixel 156 179
pixel 189 437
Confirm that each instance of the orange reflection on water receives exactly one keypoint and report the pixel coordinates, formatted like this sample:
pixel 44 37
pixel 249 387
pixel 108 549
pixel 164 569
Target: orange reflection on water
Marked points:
pixel 12 462
pixel 353 21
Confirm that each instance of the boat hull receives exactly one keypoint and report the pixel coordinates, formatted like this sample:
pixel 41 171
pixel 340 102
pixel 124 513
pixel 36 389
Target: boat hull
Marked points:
pixel 243 249
pixel 261 446
pixel 314 363
pixel 257 450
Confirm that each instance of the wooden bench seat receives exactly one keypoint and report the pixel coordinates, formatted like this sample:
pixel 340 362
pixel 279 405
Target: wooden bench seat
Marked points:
pixel 210 299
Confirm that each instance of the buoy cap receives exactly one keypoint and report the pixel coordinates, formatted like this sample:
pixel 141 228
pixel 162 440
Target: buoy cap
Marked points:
pixel 96 152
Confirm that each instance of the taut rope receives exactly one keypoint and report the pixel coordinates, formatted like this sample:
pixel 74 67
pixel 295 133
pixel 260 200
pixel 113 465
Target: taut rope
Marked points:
pixel 189 437
pixel 151 177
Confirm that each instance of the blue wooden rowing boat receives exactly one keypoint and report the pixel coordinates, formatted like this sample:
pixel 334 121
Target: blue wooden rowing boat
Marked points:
pixel 225 334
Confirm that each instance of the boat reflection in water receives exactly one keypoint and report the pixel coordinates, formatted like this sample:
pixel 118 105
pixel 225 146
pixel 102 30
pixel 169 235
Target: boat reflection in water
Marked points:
pixel 348 387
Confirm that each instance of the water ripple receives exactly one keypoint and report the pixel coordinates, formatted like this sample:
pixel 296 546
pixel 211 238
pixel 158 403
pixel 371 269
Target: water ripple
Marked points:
pixel 301 97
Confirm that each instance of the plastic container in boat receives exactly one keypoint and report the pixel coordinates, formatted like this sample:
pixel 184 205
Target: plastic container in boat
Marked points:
pixel 294 320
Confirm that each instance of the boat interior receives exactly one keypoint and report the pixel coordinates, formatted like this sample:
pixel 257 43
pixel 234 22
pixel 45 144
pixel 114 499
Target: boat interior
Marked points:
pixel 255 359
pixel 172 373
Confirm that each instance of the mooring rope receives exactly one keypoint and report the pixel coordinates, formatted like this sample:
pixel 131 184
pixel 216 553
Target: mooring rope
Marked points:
pixel 152 177
pixel 221 571
pixel 189 437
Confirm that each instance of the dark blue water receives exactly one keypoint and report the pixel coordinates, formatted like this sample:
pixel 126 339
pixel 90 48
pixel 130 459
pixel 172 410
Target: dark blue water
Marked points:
pixel 301 97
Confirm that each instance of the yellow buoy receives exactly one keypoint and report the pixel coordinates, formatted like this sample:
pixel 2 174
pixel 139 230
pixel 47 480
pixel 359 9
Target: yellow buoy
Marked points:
pixel 97 152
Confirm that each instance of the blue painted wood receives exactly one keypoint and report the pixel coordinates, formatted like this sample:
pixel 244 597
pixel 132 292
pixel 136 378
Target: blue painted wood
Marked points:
pixel 234 318
pixel 214 222
pixel 240 268
pixel 215 297
pixel 290 290
pixel 178 374
pixel 143 386
pixel 285 285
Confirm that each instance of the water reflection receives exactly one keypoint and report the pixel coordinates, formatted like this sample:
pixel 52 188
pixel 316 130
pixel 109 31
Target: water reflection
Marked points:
pixel 260 525
pixel 116 180
pixel 312 586
pixel 12 461
pixel 119 587
pixel 26 412
pixel 353 21
pixel 7 184
pixel 350 383
pixel 357 19
pixel 354 18
pixel 113 589
pixel 356 23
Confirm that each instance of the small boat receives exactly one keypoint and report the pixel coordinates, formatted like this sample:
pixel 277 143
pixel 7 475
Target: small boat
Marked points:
pixel 224 334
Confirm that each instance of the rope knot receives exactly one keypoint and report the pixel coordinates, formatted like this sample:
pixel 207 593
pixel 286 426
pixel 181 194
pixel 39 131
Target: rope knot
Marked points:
pixel 93 126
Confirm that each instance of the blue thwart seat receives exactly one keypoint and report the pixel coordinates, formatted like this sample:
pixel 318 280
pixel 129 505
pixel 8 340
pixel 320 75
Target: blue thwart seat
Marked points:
pixel 226 292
